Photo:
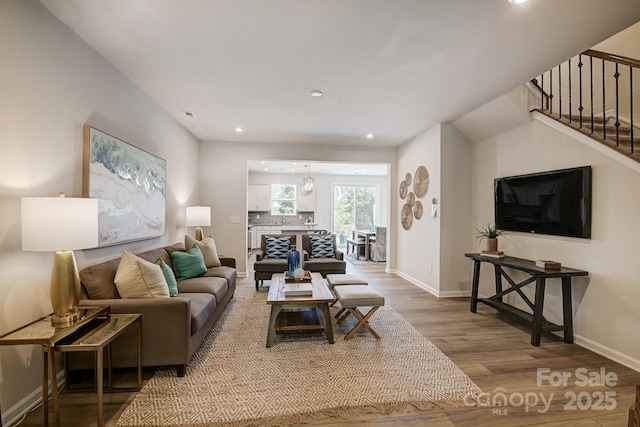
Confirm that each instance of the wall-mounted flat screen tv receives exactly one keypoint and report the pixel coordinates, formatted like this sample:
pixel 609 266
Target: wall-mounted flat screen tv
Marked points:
pixel 555 202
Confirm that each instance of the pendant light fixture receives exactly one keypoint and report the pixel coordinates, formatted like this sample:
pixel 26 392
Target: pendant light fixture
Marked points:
pixel 308 183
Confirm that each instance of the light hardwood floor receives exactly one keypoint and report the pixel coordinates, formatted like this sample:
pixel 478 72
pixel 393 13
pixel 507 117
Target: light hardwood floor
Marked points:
pixel 492 348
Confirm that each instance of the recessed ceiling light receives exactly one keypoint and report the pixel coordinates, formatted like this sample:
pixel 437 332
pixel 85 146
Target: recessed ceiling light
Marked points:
pixel 239 129
pixel 517 1
pixel 316 93
pixel 189 114
pixel 369 136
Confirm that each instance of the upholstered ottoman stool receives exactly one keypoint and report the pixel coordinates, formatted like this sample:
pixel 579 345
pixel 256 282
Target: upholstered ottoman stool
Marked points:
pixel 342 280
pixel 353 296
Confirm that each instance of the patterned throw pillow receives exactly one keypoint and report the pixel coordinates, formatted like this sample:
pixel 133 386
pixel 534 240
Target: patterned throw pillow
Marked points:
pixel 277 247
pixel 322 247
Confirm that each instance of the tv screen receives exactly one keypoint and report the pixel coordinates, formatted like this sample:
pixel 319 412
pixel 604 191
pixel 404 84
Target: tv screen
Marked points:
pixel 555 202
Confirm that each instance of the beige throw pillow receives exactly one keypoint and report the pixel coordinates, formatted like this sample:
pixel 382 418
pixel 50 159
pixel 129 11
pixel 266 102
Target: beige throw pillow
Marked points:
pixel 137 278
pixel 207 247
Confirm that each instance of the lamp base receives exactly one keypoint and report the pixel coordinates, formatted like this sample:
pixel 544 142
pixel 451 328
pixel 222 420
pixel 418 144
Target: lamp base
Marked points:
pixel 65 289
pixel 65 319
pixel 199 233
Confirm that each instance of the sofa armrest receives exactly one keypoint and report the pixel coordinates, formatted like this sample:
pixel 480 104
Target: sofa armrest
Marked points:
pixel 339 254
pixel 259 254
pixel 228 261
pixel 164 320
pixel 305 255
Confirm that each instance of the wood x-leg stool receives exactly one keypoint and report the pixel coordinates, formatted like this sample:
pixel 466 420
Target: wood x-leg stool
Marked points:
pixel 353 296
pixel 342 280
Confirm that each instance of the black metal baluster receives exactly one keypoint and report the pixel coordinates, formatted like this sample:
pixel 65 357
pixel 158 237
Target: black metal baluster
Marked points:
pixel 560 91
pixel 591 88
pixel 631 106
pixel 604 113
pixel 551 91
pixel 581 107
pixel 617 77
pixel 542 91
pixel 570 105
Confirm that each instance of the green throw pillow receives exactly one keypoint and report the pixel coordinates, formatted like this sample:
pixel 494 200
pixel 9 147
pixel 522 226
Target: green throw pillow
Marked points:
pixel 169 276
pixel 189 264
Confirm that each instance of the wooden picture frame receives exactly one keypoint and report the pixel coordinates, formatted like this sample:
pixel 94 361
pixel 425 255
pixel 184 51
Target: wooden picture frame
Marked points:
pixel 130 185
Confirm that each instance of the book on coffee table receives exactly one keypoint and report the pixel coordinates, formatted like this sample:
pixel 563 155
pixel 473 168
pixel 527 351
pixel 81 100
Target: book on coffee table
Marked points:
pixel 298 290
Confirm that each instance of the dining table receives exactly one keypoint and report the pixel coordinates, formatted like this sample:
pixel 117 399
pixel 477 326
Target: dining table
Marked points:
pixel 366 236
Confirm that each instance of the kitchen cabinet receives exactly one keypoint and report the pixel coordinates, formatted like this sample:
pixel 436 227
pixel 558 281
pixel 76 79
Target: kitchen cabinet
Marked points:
pixel 307 203
pixel 259 198
pixel 260 230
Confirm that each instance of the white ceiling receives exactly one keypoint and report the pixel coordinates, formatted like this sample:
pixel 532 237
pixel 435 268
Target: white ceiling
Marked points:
pixel 316 168
pixel 393 68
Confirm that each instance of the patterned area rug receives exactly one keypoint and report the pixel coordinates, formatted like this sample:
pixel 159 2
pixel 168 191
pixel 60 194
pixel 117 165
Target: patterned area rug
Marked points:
pixel 233 379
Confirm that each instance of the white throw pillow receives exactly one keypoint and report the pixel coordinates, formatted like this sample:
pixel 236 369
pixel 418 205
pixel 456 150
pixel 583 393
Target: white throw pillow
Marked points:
pixel 207 247
pixel 137 278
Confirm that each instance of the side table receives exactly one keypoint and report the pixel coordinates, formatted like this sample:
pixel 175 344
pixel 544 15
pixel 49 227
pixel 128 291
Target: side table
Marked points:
pixel 96 325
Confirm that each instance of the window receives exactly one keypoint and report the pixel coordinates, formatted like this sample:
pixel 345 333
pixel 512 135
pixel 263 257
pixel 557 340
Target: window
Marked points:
pixel 283 199
pixel 354 207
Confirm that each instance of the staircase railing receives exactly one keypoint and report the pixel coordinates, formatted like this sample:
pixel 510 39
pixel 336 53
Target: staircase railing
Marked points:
pixel 594 92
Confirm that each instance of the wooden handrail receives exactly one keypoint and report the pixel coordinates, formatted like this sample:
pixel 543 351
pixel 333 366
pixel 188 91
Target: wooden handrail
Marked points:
pixel 613 58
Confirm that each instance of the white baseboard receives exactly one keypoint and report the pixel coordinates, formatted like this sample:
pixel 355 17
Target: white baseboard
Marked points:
pixel 418 283
pixel 14 415
pixel 431 290
pixel 609 353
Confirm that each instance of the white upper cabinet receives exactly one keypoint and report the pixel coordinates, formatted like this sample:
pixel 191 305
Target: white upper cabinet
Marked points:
pixel 307 203
pixel 259 198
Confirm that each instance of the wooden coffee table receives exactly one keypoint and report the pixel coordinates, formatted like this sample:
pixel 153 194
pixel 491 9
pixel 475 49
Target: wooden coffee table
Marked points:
pixel 319 300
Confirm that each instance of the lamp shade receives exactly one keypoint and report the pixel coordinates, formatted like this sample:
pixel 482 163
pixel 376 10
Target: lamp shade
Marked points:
pixel 198 216
pixel 59 223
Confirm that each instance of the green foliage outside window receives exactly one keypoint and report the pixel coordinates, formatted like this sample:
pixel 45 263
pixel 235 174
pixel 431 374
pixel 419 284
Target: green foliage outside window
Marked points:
pixel 283 199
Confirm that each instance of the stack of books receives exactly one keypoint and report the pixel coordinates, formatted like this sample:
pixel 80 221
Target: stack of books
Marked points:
pixel 548 264
pixel 298 289
pixel 493 254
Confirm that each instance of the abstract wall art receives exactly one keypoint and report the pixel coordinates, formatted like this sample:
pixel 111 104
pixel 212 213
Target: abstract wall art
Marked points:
pixel 130 185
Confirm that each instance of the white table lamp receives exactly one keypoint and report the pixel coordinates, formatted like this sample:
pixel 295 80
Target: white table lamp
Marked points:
pixel 61 225
pixel 198 216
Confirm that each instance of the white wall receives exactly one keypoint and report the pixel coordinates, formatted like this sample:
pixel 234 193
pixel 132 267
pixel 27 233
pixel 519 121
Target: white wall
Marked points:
pixel 418 249
pixel 606 310
pixel 456 212
pixel 51 84
pixel 224 180
pixel 431 253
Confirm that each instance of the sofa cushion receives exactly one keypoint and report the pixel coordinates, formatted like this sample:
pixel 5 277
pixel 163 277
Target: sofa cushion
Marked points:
pixel 228 273
pixel 154 254
pixel 273 265
pixel 216 286
pixel 322 247
pixel 98 280
pixel 189 264
pixel 202 306
pixel 169 277
pixel 138 278
pixel 207 247
pixel 324 264
pixel 277 247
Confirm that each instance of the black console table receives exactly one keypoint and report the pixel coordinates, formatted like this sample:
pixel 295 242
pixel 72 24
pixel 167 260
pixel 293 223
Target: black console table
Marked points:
pixel 537 275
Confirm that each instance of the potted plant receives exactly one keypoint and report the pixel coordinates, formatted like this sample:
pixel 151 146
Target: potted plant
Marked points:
pixel 490 233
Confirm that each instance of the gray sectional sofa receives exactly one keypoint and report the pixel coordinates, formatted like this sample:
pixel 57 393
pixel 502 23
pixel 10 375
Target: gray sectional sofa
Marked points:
pixel 172 328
